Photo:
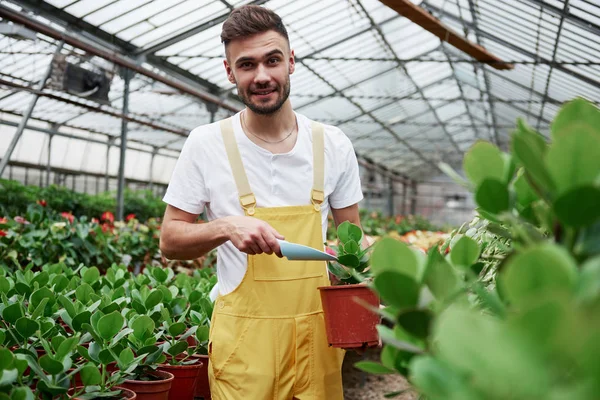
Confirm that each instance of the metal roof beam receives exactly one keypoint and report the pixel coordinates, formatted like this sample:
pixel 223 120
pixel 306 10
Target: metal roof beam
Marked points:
pixel 190 32
pixel 403 67
pixel 580 22
pixel 549 77
pixel 516 48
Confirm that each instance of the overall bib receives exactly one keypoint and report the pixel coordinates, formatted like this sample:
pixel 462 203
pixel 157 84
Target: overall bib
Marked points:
pixel 267 337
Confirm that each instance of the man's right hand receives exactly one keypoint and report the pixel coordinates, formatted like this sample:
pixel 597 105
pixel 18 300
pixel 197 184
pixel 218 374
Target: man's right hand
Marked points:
pixel 252 235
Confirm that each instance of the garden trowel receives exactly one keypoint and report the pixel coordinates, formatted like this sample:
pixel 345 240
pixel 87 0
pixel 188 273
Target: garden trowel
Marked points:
pixel 295 251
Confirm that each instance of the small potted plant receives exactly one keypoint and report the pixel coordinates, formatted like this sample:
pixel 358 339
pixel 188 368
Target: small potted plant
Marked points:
pixel 143 377
pixel 349 324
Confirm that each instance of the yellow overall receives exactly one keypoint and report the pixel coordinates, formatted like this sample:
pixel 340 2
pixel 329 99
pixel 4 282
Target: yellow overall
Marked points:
pixel 267 338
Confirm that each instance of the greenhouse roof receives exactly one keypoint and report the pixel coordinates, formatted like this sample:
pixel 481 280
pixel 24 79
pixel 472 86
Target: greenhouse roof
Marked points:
pixel 405 98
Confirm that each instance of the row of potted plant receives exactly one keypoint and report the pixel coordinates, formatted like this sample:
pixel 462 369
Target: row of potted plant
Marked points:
pixel 77 333
pixel 512 310
pixel 15 198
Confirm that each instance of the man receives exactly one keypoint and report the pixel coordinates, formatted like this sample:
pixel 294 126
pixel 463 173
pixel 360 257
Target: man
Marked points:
pixel 265 174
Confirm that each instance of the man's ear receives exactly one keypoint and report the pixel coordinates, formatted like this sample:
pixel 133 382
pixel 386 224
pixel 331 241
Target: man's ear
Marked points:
pixel 292 62
pixel 229 72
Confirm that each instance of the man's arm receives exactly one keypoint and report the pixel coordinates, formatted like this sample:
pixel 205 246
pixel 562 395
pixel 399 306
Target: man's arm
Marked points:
pixel 181 238
pixel 349 214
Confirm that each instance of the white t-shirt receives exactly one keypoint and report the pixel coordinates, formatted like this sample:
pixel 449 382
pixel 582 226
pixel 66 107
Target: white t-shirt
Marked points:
pixel 202 178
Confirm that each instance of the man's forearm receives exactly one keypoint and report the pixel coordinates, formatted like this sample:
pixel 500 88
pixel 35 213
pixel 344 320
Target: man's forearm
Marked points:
pixel 180 240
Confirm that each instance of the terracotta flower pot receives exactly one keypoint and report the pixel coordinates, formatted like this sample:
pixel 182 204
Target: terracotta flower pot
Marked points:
pixel 126 394
pixel 157 389
pixel 184 384
pixel 202 386
pixel 348 323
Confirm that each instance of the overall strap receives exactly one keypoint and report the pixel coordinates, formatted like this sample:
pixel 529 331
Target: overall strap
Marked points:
pixel 318 190
pixel 247 199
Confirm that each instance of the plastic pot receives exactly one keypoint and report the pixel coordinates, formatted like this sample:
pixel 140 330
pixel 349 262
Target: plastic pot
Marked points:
pixel 184 384
pixel 151 390
pixel 202 386
pixel 348 323
pixel 126 394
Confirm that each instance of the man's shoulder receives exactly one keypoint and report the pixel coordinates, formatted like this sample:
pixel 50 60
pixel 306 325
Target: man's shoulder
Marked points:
pixel 332 132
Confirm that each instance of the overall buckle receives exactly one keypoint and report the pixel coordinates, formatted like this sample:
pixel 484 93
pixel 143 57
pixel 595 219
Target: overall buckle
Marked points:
pixel 248 202
pixel 317 198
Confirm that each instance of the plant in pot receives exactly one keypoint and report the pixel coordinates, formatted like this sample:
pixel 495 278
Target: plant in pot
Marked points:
pixel 144 379
pixel 529 333
pixel 349 324
pixel 105 352
pixel 12 370
pixel 179 361
pixel 200 315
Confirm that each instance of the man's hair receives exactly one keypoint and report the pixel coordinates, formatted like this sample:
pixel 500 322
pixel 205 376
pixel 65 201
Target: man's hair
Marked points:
pixel 249 20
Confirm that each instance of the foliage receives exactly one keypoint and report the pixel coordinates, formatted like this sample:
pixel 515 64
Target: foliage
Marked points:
pixel 512 312
pixel 15 198
pixel 352 265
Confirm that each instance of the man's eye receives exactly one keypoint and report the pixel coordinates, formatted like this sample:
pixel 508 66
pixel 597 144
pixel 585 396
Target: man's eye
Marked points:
pixel 273 60
pixel 245 65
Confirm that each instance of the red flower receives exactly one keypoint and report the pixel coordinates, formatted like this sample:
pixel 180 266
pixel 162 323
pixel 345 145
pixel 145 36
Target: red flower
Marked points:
pixel 399 219
pixel 2 233
pixel 95 220
pixel 3 220
pixel 21 220
pixel 42 203
pixel 105 227
pixel 68 216
pixel 108 216
pixel 129 217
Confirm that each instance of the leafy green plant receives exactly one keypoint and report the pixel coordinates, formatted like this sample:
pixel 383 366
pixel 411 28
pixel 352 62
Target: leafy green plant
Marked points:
pixel 512 311
pixel 352 265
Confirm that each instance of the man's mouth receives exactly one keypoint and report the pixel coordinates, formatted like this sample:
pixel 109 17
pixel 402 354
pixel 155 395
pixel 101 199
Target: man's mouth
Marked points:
pixel 264 92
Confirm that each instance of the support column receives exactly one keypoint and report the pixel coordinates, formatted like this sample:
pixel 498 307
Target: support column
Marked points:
pixel 110 143
pixel 151 174
pixel 404 196
pixel 27 113
pixel 391 208
pixel 50 137
pixel 413 199
pixel 121 178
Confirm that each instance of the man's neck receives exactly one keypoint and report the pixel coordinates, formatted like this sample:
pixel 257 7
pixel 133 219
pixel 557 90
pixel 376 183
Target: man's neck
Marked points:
pixel 271 127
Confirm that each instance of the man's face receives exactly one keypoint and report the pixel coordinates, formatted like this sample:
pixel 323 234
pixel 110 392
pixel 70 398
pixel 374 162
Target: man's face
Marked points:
pixel 260 67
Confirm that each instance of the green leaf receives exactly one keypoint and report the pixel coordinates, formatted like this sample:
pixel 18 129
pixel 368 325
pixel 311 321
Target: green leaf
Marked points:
pixel 530 148
pixel 6 359
pixel 39 311
pixel 525 194
pixel 492 196
pixel 41 278
pixel 484 161
pixel 578 115
pixel 588 286
pixel 83 293
pixel 110 324
pixel 202 333
pixel 392 255
pixel 397 289
pixel 91 276
pixel 5 285
pixel 448 170
pixel 23 289
pixel 126 357
pixel 354 233
pixel 373 368
pixel 66 348
pixel 349 260
pixel 343 231
pixel 95 319
pixel 578 207
pixel 22 393
pixel 80 319
pixel 178 348
pixel 41 294
pixel 351 247
pixel 12 313
pixel 177 329
pixel 66 303
pixel 537 271
pixel 465 252
pixel 50 365
pixel 159 274
pixel 8 377
pixel 26 327
pixel 143 327
pixel 416 322
pixel 440 278
pixel 90 375
pixel 59 283
pixel 153 299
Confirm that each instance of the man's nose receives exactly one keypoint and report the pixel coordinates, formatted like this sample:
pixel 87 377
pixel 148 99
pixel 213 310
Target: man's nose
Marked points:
pixel 262 75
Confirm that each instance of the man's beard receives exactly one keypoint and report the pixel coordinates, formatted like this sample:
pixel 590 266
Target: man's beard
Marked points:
pixel 264 109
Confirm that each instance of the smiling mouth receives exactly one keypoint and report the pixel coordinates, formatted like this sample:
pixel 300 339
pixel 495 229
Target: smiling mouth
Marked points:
pixel 263 92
